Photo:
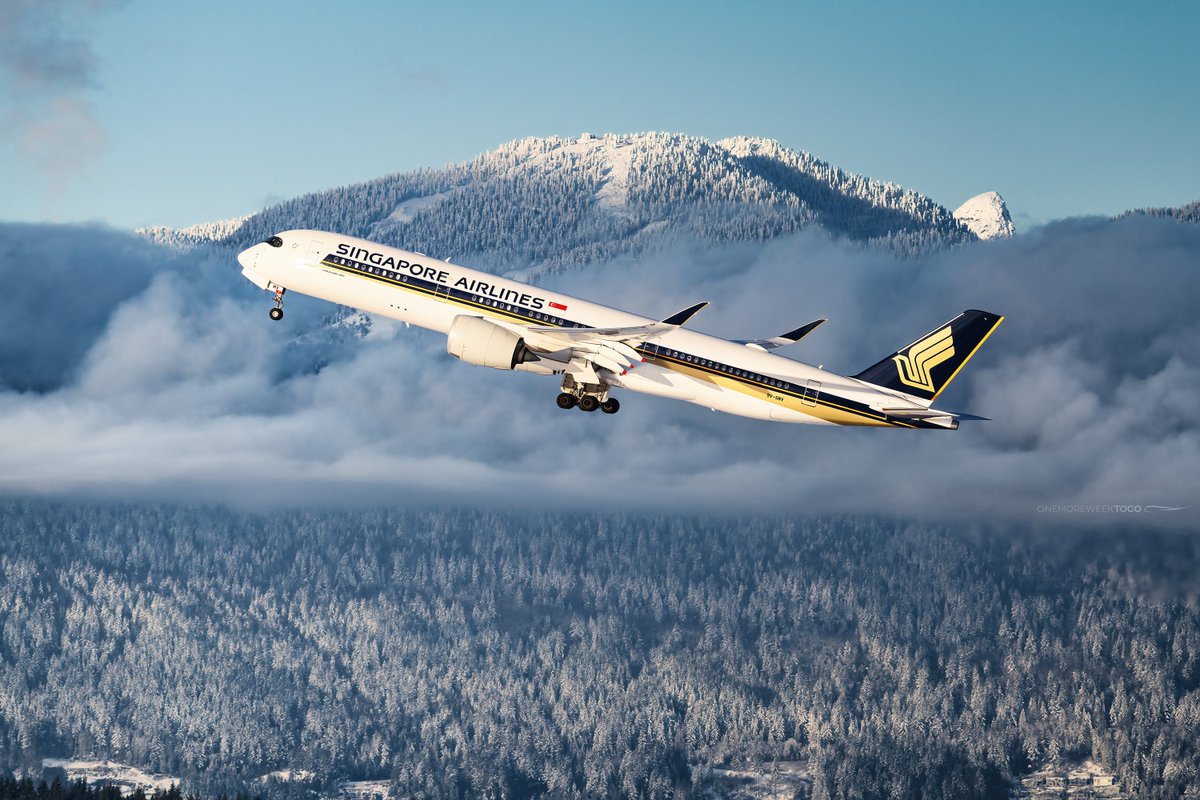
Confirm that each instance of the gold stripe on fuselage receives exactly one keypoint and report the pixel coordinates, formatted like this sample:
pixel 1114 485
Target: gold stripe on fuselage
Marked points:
pixel 822 408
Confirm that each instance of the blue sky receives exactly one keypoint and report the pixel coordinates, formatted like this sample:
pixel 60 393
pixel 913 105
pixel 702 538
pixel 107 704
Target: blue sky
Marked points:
pixel 169 113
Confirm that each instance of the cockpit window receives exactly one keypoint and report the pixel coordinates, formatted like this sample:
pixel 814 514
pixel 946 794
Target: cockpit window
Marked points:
pixel 275 241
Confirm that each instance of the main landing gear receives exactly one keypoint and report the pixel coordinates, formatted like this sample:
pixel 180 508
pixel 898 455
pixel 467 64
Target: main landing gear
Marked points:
pixel 588 402
pixel 276 313
pixel 586 396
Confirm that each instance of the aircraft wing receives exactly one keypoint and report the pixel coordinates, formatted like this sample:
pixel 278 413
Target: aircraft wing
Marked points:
pixel 582 350
pixel 568 336
pixel 631 333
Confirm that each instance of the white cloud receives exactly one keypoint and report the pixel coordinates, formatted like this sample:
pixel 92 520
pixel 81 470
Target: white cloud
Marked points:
pixel 185 390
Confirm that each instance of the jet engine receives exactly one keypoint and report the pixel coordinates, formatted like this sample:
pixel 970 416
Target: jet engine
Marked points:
pixel 478 341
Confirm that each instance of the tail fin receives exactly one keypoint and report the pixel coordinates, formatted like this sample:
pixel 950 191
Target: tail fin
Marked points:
pixel 925 367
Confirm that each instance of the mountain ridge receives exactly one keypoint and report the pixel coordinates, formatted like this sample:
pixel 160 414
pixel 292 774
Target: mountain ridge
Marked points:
pixel 548 203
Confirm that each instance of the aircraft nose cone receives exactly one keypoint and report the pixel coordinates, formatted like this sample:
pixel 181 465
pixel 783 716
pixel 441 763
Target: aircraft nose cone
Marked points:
pixel 247 257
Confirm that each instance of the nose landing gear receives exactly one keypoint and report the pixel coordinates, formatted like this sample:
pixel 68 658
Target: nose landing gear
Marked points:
pixel 276 313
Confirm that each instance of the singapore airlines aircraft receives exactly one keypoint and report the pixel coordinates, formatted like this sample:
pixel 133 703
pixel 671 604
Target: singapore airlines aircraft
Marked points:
pixel 494 322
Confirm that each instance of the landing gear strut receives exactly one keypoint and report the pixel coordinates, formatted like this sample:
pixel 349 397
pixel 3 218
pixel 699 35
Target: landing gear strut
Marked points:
pixel 276 313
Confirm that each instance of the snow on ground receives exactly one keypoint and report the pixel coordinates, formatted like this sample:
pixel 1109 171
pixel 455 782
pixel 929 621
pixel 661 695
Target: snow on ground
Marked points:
pixel 616 154
pixel 408 210
pixel 614 192
pixel 366 790
pixel 780 781
pixel 986 216
pixel 286 775
pixel 346 790
pixel 614 151
pixel 126 778
pixel 653 227
pixel 1068 780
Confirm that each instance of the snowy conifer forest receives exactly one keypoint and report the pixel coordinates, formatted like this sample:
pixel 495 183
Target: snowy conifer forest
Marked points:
pixel 550 203
pixel 1190 212
pixel 472 654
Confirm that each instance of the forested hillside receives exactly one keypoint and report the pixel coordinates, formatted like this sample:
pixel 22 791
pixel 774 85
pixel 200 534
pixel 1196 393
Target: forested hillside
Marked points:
pixel 1189 212
pixel 27 789
pixel 546 203
pixel 474 654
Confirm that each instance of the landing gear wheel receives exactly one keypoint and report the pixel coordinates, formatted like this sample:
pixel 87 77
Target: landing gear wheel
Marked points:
pixel 610 406
pixel 588 403
pixel 276 314
pixel 566 401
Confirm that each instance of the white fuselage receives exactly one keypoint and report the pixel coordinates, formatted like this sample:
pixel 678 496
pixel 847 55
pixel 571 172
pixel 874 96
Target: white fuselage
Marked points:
pixel 682 364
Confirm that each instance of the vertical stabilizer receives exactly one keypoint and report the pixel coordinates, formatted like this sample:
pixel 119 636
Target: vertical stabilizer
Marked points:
pixel 925 367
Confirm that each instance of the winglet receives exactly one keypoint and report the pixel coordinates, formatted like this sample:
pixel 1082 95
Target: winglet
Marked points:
pixel 683 316
pixel 803 330
pixel 791 337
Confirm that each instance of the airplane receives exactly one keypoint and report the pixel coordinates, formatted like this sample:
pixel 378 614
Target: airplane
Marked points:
pixel 494 322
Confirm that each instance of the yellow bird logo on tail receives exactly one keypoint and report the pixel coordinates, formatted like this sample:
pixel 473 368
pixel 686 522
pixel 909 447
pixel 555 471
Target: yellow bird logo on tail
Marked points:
pixel 914 367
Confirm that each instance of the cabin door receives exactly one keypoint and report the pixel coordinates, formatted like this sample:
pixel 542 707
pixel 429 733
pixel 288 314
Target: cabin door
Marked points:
pixel 811 391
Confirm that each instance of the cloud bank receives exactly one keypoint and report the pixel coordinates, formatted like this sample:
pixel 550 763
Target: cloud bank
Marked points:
pixel 171 383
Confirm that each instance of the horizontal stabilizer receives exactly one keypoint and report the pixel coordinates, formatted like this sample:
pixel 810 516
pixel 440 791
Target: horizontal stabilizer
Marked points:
pixel 791 337
pixel 927 413
pixel 683 316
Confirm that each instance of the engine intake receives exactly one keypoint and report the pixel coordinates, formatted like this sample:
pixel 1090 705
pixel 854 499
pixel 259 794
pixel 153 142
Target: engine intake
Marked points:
pixel 485 344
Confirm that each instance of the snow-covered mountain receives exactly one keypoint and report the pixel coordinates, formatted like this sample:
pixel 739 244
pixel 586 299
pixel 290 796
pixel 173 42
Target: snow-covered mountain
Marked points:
pixel 552 202
pixel 986 216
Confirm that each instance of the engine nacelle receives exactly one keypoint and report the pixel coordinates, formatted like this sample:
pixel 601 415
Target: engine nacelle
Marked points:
pixel 478 341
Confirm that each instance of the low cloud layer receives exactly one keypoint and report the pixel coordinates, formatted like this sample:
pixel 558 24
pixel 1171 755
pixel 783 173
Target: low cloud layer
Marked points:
pixel 174 384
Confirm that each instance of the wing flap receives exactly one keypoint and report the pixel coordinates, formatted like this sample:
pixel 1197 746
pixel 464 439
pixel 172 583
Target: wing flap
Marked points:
pixel 632 333
pixel 585 350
